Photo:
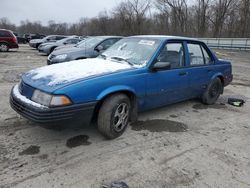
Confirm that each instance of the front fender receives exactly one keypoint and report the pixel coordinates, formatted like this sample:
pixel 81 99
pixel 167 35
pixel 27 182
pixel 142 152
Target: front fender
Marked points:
pixel 114 89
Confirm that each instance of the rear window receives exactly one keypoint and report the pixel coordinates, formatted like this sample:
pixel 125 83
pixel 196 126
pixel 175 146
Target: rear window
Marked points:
pixel 5 34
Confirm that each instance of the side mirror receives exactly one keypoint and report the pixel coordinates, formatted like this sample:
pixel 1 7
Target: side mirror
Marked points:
pixel 99 48
pixel 161 66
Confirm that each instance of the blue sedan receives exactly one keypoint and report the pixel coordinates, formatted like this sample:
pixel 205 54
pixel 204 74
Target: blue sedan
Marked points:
pixel 137 73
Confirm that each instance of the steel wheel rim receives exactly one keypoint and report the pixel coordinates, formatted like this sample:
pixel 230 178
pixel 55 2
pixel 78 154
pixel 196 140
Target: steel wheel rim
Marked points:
pixel 121 117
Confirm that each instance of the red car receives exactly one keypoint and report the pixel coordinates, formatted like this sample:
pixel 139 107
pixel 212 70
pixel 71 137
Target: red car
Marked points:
pixel 7 40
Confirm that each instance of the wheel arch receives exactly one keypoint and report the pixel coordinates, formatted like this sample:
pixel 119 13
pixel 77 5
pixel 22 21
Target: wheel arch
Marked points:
pixel 221 77
pixel 129 92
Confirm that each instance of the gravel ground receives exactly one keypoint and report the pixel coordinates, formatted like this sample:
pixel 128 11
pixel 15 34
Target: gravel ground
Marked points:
pixel 181 145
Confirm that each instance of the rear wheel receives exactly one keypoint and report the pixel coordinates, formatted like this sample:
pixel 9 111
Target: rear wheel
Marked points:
pixel 213 92
pixel 114 116
pixel 4 47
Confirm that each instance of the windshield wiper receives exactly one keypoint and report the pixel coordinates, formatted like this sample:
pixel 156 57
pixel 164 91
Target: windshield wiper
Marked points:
pixel 122 59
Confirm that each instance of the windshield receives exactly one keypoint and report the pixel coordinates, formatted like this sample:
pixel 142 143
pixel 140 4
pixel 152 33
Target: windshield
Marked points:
pixel 63 40
pixel 89 42
pixel 48 37
pixel 136 51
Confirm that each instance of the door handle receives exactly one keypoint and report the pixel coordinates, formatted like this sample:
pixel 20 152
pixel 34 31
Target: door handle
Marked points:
pixel 209 70
pixel 183 73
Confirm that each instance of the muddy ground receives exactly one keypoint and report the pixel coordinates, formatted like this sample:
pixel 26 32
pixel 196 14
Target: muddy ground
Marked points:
pixel 182 145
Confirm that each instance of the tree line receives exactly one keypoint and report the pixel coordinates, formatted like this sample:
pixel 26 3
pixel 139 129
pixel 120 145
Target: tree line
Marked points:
pixel 200 18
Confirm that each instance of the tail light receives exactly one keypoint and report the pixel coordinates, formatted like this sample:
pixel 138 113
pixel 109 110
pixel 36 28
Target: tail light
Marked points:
pixel 14 39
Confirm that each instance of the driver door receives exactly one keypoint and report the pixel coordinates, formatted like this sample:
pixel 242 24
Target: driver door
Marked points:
pixel 168 86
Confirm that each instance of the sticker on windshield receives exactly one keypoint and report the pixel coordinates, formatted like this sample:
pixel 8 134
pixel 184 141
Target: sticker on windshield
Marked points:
pixel 147 42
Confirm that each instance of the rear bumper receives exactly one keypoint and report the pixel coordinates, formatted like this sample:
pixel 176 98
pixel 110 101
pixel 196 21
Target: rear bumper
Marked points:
pixel 77 113
pixel 13 45
pixel 228 80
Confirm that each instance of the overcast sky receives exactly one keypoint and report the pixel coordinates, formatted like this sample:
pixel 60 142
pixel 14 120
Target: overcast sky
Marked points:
pixel 58 10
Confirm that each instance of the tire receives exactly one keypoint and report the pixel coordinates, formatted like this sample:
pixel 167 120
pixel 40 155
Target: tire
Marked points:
pixel 4 47
pixel 212 92
pixel 114 115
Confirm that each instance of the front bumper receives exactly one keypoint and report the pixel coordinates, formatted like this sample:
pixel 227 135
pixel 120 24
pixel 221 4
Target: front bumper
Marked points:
pixel 44 51
pixel 77 113
pixel 51 61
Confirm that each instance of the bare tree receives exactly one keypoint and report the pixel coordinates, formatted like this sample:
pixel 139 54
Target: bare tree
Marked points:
pixel 244 14
pixel 132 15
pixel 219 12
pixel 201 18
pixel 201 15
pixel 178 11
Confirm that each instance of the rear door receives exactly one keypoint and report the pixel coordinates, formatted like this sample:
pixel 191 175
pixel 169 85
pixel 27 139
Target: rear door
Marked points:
pixel 201 66
pixel 169 86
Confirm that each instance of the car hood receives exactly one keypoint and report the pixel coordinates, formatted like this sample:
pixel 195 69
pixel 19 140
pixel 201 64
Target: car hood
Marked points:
pixel 48 43
pixel 50 78
pixel 72 49
pixel 64 47
pixel 36 40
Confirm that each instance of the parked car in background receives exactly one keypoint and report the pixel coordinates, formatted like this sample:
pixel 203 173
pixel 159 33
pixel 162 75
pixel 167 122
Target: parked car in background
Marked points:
pixel 34 43
pixel 71 45
pixel 48 47
pixel 7 40
pixel 135 74
pixel 20 38
pixel 34 36
pixel 89 48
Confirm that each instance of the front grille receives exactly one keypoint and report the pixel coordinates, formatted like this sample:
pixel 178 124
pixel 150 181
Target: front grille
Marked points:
pixel 26 90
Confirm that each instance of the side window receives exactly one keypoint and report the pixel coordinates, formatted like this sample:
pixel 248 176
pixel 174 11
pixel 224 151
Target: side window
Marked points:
pixel 51 38
pixel 207 58
pixel 74 41
pixel 107 43
pixel 58 38
pixel 5 34
pixel 172 53
pixel 195 55
pixel 69 41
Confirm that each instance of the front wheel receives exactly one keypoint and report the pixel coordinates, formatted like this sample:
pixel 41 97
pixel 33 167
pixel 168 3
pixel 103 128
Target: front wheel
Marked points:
pixel 114 116
pixel 213 92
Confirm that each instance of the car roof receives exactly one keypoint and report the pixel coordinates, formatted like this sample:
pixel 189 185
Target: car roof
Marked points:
pixel 164 37
pixel 6 30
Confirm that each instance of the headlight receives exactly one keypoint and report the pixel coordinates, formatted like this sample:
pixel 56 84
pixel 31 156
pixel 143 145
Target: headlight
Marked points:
pixel 41 97
pixel 50 100
pixel 61 57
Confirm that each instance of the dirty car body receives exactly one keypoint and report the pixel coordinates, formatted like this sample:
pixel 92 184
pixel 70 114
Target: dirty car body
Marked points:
pixel 89 48
pixel 142 72
pixel 48 47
